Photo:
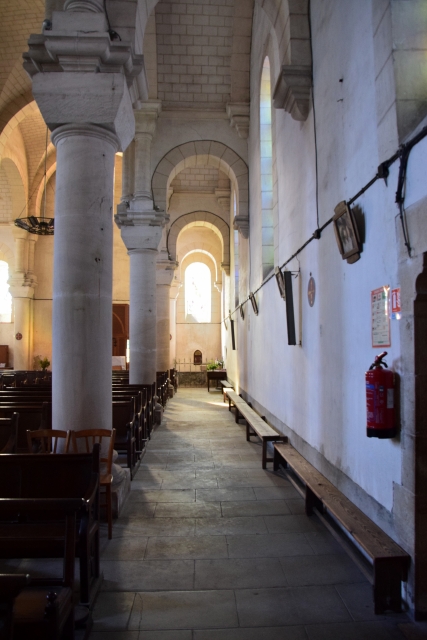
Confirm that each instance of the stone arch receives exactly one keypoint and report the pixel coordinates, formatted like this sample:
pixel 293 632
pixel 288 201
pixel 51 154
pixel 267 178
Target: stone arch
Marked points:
pixel 204 153
pixel 205 218
pixel 291 22
pixel 7 255
pixel 17 191
pixel 21 112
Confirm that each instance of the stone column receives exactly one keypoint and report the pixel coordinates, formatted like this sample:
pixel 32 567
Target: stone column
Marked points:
pixel 22 284
pixel 75 69
pixel 128 173
pixel 173 295
pixel 82 276
pixel 165 274
pixel 141 228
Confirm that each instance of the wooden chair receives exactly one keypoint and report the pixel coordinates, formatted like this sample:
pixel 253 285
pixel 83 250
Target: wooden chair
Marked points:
pixel 46 440
pixel 91 437
pixel 9 433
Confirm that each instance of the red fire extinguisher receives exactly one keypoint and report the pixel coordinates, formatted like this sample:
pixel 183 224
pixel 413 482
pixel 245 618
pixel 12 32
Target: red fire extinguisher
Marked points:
pixel 380 400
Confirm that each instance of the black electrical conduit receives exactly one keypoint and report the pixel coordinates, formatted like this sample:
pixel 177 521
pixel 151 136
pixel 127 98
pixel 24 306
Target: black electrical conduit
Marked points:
pixel 382 174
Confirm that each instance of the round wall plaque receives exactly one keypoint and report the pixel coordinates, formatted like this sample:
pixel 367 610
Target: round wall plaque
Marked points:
pixel 18 336
pixel 311 291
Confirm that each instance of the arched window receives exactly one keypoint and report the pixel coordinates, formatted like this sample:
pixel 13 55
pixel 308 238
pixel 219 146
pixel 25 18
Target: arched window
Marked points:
pixel 266 150
pixel 5 297
pixel 236 256
pixel 198 293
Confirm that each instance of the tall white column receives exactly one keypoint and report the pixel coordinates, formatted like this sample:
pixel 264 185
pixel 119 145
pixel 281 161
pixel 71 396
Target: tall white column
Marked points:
pixel 82 277
pixel 128 173
pixel 164 276
pixel 82 90
pixel 142 316
pixel 141 229
pixel 22 284
pixel 173 293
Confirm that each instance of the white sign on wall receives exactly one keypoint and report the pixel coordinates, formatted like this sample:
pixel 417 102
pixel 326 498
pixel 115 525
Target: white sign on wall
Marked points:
pixel 380 317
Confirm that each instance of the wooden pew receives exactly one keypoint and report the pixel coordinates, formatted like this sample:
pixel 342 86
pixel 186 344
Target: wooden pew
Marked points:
pixel 124 424
pixel 390 562
pixel 9 433
pixel 255 425
pixel 34 491
pixel 150 390
pixel 140 422
pixel 33 415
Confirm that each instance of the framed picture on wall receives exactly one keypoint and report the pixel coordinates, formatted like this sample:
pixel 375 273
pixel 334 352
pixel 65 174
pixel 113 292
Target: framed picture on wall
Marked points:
pixel 346 233
pixel 233 339
pixel 253 303
pixel 280 282
pixel 242 313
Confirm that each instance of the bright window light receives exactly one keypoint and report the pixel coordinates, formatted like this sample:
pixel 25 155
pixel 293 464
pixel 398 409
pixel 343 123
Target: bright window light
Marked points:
pixel 5 297
pixel 197 293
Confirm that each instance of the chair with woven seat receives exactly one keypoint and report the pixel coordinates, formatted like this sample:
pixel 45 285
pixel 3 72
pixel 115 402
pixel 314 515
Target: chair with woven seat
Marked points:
pixel 46 440
pixel 90 437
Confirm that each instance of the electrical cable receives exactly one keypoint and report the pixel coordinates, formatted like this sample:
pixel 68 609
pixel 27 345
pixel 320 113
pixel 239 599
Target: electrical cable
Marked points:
pixel 314 118
pixel 113 34
pixel 382 173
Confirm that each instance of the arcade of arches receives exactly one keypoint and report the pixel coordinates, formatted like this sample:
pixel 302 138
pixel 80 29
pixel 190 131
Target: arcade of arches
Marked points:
pixel 186 149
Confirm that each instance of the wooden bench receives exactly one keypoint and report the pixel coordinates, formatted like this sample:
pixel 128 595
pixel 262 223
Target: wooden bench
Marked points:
pixel 54 483
pixel 390 562
pixel 255 425
pixel 124 424
pixel 225 385
pixel 33 415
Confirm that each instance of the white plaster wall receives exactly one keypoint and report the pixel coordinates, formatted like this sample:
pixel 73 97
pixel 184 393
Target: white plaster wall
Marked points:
pixel 317 389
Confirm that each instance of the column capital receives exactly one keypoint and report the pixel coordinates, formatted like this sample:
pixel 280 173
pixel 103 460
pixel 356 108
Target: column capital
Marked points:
pixel 86 130
pixel 81 76
pixel 146 117
pixel 239 114
pixel 20 287
pixel 165 272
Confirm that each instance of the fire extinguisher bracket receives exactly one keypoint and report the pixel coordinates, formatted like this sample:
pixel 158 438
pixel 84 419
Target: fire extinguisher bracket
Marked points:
pixel 380 384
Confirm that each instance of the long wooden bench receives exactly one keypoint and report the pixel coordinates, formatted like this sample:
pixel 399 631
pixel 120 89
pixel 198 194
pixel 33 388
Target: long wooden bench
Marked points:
pixel 255 425
pixel 225 385
pixel 390 562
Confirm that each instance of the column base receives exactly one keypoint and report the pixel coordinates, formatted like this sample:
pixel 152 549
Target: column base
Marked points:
pixel 121 488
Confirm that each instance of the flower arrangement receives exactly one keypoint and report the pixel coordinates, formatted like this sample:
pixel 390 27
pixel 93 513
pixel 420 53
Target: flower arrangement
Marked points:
pixel 43 363
pixel 218 364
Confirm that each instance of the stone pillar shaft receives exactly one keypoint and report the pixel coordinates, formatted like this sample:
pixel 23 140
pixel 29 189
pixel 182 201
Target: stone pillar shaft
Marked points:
pixel 23 308
pixel 142 165
pixel 142 316
pixel 163 327
pixel 128 173
pixel 82 283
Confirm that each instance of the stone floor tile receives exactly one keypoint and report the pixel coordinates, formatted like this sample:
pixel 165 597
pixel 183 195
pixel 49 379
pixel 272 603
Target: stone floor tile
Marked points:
pixel 124 548
pixel 114 635
pixel 184 610
pixel 148 575
pixel 256 508
pixel 203 464
pixel 138 510
pixel 297 506
pixel 112 611
pixel 181 495
pixel 143 485
pixel 266 633
pixel 359 601
pixel 225 495
pixel 186 548
pixel 323 543
pixel 238 464
pixel 292 524
pixel 230 526
pixel 157 526
pixel 273 545
pixel 242 573
pixel 192 483
pixel 307 570
pixel 354 631
pixel 188 510
pixel 290 606
pixel 276 493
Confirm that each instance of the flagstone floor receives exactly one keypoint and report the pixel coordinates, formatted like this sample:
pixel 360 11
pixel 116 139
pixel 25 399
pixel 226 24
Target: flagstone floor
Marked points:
pixel 211 547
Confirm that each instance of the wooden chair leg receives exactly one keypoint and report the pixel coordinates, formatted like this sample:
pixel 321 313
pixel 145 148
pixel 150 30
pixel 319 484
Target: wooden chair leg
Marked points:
pixel 264 454
pixel 109 511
